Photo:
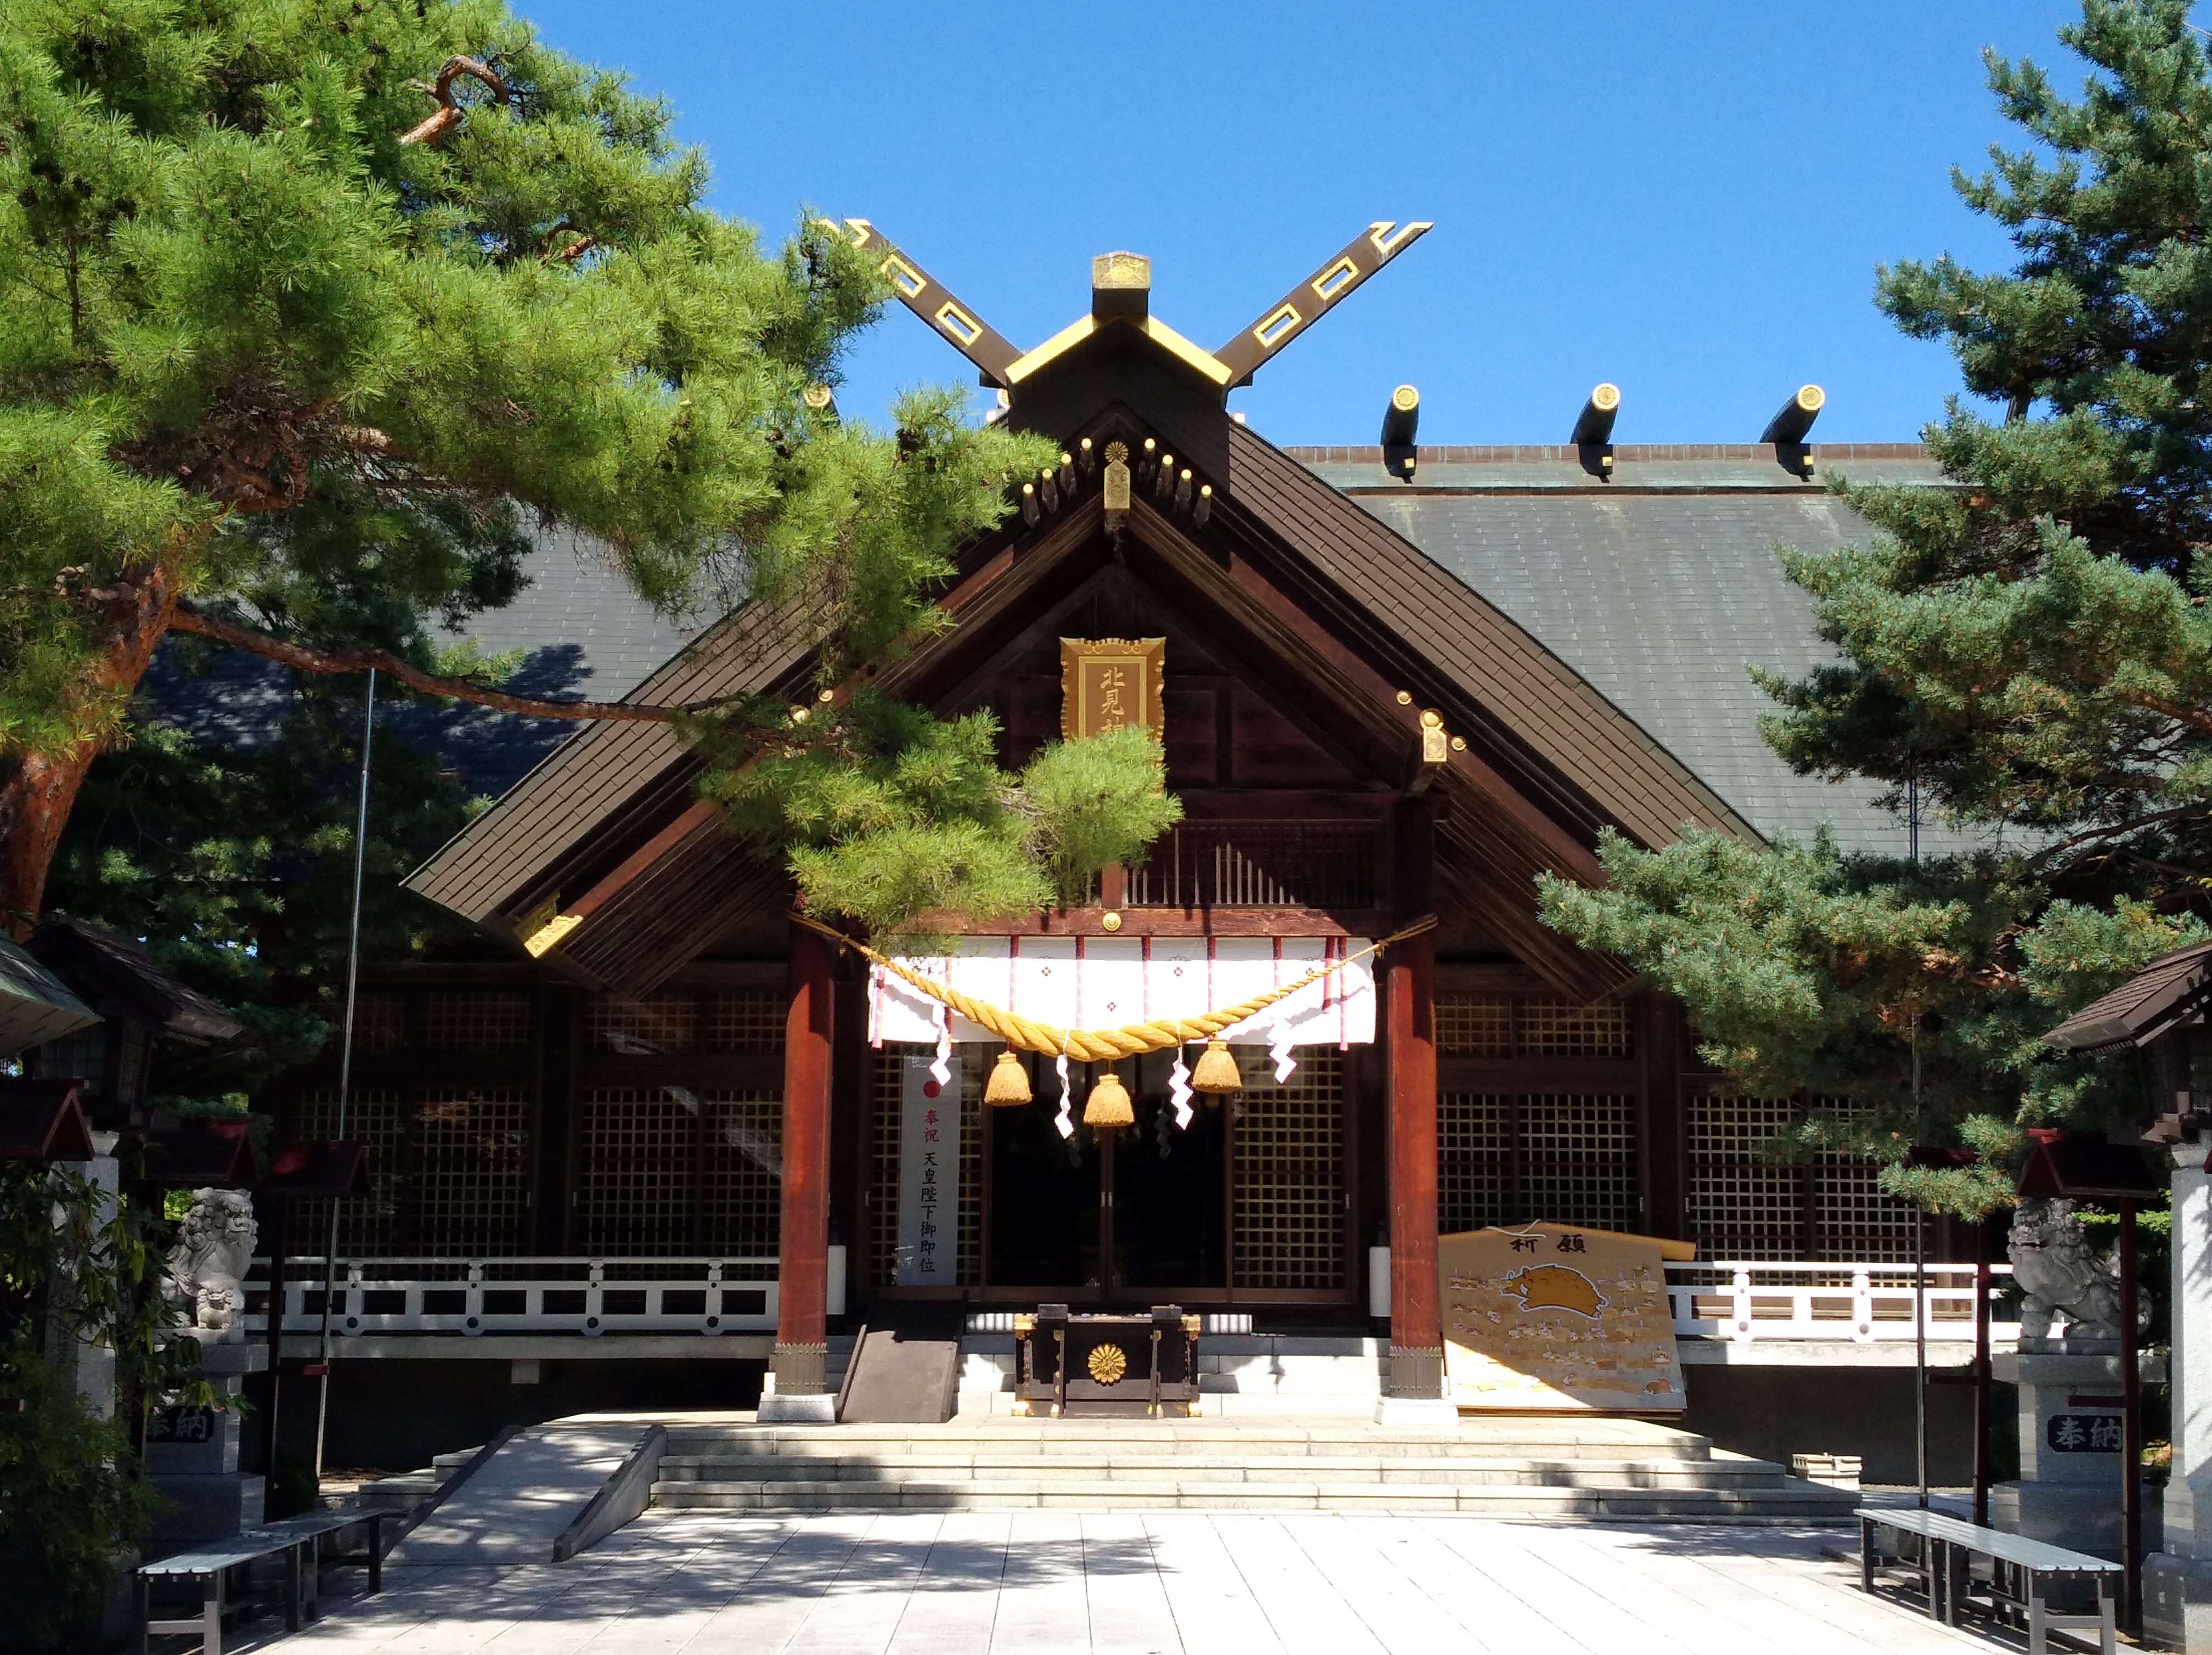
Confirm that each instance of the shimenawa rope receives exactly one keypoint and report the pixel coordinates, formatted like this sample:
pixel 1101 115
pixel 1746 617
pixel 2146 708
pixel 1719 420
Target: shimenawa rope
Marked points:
pixel 1104 1045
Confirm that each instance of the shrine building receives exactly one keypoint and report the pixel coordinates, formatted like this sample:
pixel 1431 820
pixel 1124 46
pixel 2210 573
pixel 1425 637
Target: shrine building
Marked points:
pixel 1395 684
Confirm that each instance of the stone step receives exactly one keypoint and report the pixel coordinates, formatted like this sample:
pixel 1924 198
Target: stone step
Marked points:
pixel 1061 1440
pixel 1728 1472
pixel 404 1490
pixel 1792 1502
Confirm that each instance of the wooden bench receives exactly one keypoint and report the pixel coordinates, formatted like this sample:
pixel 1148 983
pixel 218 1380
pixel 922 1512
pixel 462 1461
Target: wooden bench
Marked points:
pixel 1938 1551
pixel 297 1540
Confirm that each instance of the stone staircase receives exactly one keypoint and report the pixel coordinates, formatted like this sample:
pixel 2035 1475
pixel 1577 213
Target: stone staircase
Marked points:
pixel 1583 1469
pixel 401 1493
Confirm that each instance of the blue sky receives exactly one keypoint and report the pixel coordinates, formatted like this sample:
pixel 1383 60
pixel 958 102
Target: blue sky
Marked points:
pixel 1689 200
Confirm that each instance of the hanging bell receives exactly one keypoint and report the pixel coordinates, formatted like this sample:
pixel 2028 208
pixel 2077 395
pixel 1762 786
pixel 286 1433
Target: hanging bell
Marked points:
pixel 1217 1070
pixel 1009 1083
pixel 1109 1102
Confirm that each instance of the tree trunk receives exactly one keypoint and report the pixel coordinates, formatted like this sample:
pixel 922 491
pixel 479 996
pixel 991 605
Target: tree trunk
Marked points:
pixel 36 797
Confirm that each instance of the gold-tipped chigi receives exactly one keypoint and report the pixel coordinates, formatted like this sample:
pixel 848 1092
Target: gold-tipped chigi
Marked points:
pixel 1216 1070
pixel 1009 1083
pixel 1109 1102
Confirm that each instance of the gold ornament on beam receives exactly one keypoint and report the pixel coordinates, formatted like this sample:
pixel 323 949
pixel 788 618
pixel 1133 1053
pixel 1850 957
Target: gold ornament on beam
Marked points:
pixel 1109 1102
pixel 1115 491
pixel 1009 1085
pixel 1217 1070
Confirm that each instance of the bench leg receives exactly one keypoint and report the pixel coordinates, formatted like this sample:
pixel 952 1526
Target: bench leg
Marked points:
pixel 291 1588
pixel 2038 1635
pixel 375 1554
pixel 212 1613
pixel 145 1613
pixel 1866 1554
pixel 2107 1628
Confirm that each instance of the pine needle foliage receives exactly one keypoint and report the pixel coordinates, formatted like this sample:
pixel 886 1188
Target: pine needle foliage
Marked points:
pixel 307 300
pixel 895 819
pixel 2026 649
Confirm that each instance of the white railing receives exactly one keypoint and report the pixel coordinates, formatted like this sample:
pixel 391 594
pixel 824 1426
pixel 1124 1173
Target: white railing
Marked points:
pixel 1747 1300
pixel 478 1296
pixel 1743 1301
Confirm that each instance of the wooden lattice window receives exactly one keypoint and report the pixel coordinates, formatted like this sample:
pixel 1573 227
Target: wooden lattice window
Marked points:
pixel 1474 1160
pixel 487 1021
pixel 1739 1205
pixel 1289 1225
pixel 369 1225
pixel 470 1175
pixel 1569 1157
pixel 741 1207
pixel 1743 1205
pixel 1851 1217
pixel 746 1021
pixel 1532 1025
pixel 380 1022
pixel 645 1027
pixel 1547 1026
pixel 671 1172
pixel 1579 1159
pixel 1475 1025
pixel 883 1162
pixel 639 1153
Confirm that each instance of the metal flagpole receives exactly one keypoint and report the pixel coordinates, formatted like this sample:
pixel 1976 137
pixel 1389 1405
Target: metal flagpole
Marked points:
pixel 1919 1212
pixel 1920 1345
pixel 345 1068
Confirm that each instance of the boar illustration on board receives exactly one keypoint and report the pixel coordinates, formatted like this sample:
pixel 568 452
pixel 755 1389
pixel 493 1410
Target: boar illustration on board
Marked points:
pixel 1555 1287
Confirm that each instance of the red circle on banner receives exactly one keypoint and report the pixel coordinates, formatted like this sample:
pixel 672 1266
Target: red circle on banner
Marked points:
pixel 929 1088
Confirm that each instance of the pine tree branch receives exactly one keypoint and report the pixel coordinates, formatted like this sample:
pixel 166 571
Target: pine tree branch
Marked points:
pixel 350 657
pixel 449 108
pixel 2075 842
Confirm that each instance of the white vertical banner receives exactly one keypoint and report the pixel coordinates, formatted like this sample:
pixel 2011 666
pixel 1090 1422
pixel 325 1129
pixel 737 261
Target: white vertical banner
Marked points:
pixel 929 1175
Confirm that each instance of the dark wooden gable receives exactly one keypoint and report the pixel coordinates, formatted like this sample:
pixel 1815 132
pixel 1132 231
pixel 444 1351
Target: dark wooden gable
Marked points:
pixel 1306 643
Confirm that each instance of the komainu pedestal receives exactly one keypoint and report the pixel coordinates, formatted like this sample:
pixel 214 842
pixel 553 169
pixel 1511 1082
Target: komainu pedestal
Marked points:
pixel 192 1459
pixel 2069 1491
pixel 2071 1425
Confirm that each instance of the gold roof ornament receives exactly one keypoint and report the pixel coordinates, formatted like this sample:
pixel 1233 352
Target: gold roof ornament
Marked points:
pixel 1121 294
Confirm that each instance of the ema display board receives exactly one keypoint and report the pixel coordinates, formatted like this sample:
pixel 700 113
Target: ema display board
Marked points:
pixel 1554 1317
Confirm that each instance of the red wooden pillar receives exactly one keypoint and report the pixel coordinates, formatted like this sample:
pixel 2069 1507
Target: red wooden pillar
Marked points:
pixel 803 1250
pixel 1417 1343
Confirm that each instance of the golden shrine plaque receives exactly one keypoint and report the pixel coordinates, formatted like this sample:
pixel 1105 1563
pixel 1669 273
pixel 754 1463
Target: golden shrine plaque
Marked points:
pixel 1108 683
pixel 1554 1317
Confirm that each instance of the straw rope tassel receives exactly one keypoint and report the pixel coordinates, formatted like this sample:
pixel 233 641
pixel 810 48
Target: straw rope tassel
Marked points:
pixel 1104 1045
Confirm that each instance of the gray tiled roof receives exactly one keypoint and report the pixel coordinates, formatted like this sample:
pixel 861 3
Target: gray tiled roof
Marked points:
pixel 585 634
pixel 1659 589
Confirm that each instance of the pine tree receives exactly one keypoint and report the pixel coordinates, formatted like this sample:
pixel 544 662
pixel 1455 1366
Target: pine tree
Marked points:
pixel 2026 650
pixel 306 300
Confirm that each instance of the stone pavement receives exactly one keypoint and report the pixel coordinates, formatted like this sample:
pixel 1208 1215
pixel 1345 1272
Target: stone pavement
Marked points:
pixel 1143 1581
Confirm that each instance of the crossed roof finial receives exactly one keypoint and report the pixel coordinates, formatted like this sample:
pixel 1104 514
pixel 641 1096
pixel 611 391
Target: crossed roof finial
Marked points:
pixel 1121 284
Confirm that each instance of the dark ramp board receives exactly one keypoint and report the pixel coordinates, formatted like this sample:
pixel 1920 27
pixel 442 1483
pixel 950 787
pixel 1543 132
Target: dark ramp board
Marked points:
pixel 907 1370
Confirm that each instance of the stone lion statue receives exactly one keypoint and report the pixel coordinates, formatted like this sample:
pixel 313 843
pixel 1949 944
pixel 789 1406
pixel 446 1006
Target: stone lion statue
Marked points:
pixel 207 1267
pixel 2057 1273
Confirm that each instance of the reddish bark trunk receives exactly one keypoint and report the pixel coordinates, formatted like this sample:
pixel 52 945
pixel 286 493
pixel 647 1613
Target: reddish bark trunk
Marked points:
pixel 37 796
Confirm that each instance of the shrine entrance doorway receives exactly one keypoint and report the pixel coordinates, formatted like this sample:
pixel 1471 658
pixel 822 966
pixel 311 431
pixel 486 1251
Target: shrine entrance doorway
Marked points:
pixel 1128 1216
